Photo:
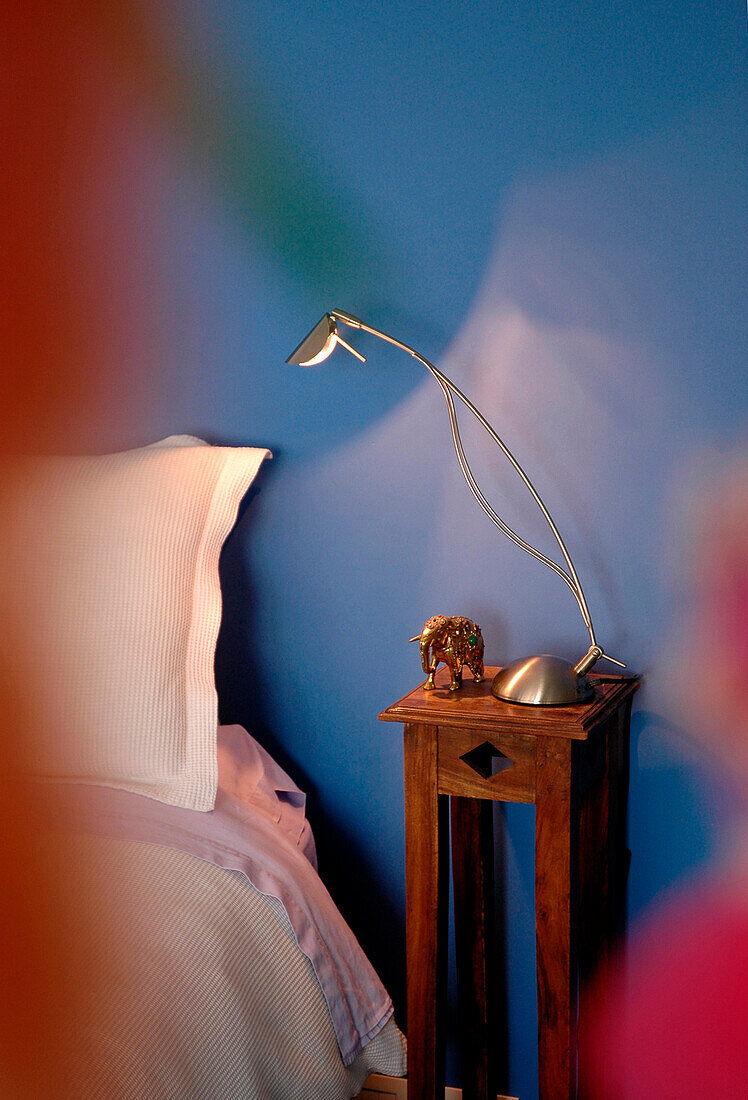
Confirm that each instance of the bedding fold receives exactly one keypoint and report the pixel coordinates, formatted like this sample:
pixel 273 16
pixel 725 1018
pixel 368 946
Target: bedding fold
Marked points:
pixel 258 827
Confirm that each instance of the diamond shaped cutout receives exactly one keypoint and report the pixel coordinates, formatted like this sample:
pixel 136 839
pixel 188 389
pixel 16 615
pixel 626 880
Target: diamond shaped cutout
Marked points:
pixel 486 760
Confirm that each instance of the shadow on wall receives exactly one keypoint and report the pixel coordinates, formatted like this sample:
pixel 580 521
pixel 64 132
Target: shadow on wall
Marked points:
pixel 593 348
pixel 243 699
pixel 589 349
pixel 685 800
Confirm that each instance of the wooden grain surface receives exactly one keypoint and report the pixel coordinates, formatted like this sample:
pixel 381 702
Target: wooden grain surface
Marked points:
pixel 474 707
pixel 555 916
pixel 514 783
pixel 427 890
pixel 573 762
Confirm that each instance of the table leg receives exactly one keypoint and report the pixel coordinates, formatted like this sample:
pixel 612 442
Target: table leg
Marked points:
pixel 603 865
pixel 427 900
pixel 617 780
pixel 472 874
pixel 556 837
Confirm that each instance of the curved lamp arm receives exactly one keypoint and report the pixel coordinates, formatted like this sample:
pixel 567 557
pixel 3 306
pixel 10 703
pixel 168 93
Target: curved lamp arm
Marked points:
pixel 320 343
pixel 448 388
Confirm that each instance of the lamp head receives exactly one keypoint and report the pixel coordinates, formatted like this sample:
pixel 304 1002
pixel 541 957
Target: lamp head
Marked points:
pixel 320 342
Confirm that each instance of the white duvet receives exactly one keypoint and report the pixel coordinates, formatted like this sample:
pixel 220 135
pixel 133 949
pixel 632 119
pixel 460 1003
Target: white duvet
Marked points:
pixel 223 969
pixel 203 992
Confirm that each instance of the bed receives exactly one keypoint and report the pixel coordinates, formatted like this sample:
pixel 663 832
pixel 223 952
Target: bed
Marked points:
pixel 223 968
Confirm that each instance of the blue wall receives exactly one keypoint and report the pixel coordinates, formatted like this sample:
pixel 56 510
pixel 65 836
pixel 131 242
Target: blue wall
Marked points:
pixel 548 201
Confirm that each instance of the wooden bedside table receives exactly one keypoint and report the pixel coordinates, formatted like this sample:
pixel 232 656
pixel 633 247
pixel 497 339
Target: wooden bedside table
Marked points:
pixel 466 749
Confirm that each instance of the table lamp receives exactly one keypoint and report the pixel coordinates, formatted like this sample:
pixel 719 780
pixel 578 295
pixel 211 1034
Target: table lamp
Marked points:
pixel 543 680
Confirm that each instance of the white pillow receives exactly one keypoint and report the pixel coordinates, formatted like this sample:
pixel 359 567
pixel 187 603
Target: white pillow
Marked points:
pixel 117 561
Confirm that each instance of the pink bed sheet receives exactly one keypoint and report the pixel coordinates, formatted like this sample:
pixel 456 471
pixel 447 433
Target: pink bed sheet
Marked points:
pixel 258 827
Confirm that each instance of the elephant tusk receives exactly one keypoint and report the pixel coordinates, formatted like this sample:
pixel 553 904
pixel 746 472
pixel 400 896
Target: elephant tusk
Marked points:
pixel 416 639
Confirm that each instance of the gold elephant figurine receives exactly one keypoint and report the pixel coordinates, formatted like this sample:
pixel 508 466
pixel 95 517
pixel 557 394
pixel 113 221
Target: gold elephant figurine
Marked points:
pixel 454 641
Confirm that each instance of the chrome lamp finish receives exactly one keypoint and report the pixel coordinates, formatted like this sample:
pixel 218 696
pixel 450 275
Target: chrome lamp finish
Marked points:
pixel 539 681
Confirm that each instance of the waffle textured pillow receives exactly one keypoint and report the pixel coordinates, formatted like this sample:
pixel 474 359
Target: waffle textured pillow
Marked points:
pixel 116 557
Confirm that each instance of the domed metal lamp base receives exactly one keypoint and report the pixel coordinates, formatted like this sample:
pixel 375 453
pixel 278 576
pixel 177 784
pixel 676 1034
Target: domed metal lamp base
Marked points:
pixel 545 680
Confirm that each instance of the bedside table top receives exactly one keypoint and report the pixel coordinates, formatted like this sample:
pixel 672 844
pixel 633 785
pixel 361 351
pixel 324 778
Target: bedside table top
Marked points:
pixel 474 707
